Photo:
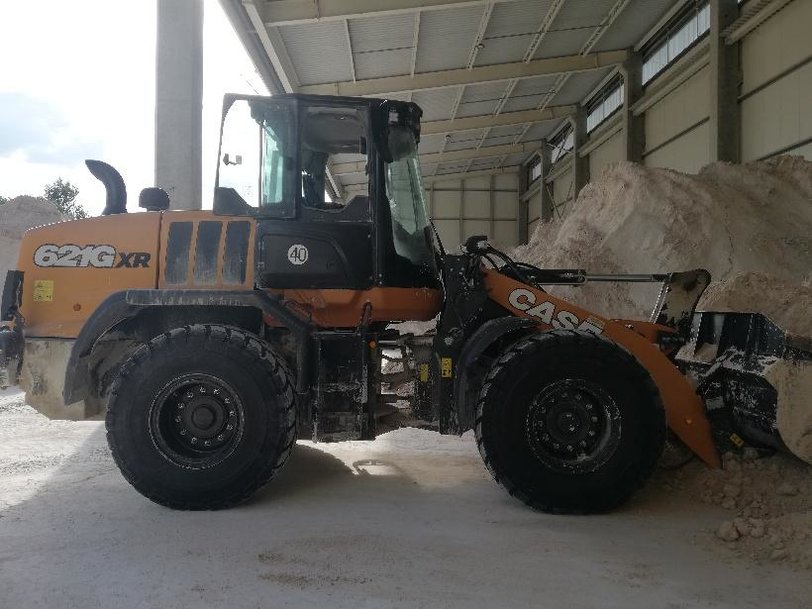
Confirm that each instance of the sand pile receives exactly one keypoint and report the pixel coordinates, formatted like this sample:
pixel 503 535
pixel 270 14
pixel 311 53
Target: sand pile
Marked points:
pixel 729 219
pixel 769 505
pixel 17 216
pixel 788 303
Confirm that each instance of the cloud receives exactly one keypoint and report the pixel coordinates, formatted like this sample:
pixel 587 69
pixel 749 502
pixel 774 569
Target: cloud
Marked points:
pixel 40 131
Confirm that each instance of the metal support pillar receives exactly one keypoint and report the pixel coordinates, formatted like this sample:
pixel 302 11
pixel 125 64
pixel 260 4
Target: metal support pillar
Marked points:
pixel 634 135
pixel 179 101
pixel 580 164
pixel 725 122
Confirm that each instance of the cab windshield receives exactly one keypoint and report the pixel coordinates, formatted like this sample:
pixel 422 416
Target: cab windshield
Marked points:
pixel 411 230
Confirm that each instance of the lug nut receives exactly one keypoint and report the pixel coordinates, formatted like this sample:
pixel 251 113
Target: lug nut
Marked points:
pixel 183 432
pixel 177 419
pixel 220 438
pixel 194 440
pixel 181 405
pixel 207 442
pixel 189 395
pixel 229 427
pixel 202 389
pixel 216 392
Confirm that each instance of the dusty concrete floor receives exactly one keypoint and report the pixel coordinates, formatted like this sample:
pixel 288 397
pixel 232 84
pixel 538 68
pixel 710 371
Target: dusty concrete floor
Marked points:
pixel 412 520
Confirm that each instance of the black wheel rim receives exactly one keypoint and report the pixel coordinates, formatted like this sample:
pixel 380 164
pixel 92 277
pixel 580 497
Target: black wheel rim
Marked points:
pixel 197 421
pixel 573 426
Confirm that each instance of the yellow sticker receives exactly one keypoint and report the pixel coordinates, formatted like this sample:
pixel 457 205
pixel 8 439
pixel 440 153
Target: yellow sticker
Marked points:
pixel 424 373
pixel 445 367
pixel 736 439
pixel 43 290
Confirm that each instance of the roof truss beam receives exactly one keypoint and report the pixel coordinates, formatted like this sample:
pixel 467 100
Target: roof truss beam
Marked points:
pixel 289 12
pixel 468 154
pixel 505 119
pixel 480 74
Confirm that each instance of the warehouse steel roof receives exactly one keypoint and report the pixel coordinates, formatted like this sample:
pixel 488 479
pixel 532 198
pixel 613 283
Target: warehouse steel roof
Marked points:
pixel 493 77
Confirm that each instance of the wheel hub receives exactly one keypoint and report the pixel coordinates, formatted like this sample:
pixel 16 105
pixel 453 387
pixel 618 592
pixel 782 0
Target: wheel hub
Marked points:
pixel 197 420
pixel 573 425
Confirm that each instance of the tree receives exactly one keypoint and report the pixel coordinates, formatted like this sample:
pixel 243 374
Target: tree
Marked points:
pixel 63 195
pixel 3 200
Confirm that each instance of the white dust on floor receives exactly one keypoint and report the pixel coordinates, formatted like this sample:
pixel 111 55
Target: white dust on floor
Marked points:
pixel 411 520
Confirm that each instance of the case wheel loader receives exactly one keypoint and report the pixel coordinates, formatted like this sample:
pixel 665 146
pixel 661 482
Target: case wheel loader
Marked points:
pixel 213 339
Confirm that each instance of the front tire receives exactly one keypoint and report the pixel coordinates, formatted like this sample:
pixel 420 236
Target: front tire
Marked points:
pixel 569 422
pixel 201 417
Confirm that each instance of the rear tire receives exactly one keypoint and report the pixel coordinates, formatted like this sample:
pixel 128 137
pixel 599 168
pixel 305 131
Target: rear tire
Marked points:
pixel 569 422
pixel 201 417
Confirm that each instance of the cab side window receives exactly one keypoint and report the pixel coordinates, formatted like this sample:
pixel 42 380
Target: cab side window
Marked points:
pixel 334 160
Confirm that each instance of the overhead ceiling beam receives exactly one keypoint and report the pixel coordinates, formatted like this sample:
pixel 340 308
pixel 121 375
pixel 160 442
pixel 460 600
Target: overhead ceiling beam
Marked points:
pixel 449 157
pixel 457 175
pixel 443 177
pixel 481 74
pixel 543 28
pixel 496 120
pixel 289 12
pixel 614 12
pixel 274 47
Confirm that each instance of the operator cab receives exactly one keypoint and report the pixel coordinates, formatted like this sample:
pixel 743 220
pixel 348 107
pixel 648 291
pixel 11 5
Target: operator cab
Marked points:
pixel 335 186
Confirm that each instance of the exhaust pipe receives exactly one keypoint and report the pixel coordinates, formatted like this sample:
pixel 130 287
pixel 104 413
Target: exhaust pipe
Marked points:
pixel 113 184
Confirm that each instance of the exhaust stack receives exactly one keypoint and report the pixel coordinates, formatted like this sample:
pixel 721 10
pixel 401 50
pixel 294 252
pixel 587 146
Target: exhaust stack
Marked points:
pixel 113 184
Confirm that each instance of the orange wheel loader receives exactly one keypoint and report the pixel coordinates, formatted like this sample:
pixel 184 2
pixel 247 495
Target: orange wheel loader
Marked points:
pixel 210 340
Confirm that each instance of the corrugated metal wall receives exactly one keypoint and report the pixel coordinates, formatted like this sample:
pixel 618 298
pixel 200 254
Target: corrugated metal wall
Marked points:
pixel 776 106
pixel 677 126
pixel 482 205
pixel 610 151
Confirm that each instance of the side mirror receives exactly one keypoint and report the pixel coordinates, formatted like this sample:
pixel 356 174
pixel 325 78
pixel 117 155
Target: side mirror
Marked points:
pixel 153 199
pixel 476 244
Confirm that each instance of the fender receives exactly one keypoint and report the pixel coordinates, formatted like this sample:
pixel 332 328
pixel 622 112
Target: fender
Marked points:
pixel 120 306
pixel 470 371
pixel 113 310
pixel 684 409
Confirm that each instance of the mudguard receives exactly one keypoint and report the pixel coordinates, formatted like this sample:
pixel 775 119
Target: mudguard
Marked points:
pixel 471 370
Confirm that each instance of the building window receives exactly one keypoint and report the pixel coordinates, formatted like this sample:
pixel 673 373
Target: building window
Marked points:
pixel 604 104
pixel 534 170
pixel 561 143
pixel 675 39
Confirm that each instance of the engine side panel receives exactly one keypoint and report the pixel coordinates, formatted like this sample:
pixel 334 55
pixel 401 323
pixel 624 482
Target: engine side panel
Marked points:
pixel 71 267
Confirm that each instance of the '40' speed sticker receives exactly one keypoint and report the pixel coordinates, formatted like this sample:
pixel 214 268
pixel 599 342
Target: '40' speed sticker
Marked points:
pixel 96 256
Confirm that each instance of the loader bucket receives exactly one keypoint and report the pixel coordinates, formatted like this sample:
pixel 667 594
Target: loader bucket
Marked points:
pixel 732 359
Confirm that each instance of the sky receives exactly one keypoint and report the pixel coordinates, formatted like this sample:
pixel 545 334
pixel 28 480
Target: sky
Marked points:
pixel 77 81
